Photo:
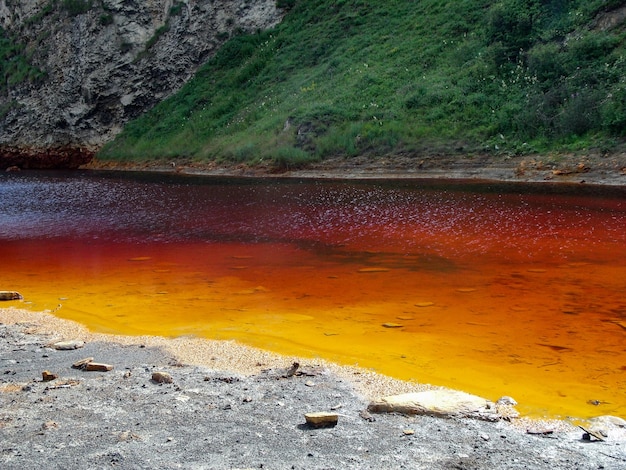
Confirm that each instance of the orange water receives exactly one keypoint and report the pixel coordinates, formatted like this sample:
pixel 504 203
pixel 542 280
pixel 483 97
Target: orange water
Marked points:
pixel 490 292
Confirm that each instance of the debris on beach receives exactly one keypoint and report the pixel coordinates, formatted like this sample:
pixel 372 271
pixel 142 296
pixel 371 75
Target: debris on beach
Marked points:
pixel 596 434
pixel 10 295
pixel 162 378
pixel 97 367
pixel 444 403
pixel 321 419
pixel 88 365
pixel 366 415
pixel 48 376
pixel 292 370
pixel 82 363
pixel 67 345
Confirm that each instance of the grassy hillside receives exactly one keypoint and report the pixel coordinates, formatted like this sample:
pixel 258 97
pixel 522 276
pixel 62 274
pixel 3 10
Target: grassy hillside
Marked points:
pixel 349 77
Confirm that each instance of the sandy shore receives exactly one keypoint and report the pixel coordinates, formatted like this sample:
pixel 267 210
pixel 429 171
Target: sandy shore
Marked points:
pixel 219 355
pixel 231 406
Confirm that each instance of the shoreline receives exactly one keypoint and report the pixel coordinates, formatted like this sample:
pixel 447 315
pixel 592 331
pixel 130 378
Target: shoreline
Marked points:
pixel 225 355
pixel 232 406
pixel 235 357
pixel 591 169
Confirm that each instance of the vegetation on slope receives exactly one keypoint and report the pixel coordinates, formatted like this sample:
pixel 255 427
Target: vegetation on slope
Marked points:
pixel 14 65
pixel 350 77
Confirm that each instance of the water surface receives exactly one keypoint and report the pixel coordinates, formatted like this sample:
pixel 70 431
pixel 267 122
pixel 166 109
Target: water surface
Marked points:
pixel 490 288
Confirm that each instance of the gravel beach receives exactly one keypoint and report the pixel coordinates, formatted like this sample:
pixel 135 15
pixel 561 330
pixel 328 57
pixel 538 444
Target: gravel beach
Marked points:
pixel 229 406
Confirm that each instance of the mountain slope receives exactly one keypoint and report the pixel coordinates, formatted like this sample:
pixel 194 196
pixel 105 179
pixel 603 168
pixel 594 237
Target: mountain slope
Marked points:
pixel 353 77
pixel 75 71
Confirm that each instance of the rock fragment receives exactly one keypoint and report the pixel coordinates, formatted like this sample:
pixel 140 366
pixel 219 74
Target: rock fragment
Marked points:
pixel 47 376
pixel 506 400
pixel 10 295
pixel 67 345
pixel 366 415
pixel 97 367
pixel 162 378
pixel 321 419
pixel 443 403
pixel 540 431
pixel 596 434
pixel 607 421
pixel 82 363
pixel 292 370
pixel 49 425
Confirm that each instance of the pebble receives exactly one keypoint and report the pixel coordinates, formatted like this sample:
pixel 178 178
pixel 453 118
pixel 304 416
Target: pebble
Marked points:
pixel 506 400
pixel 162 378
pixel 10 295
pixel 321 419
pixel 49 425
pixel 68 345
pixel 97 367
pixel 392 325
pixel 408 432
pixel 82 363
pixel 47 376
pixel 367 416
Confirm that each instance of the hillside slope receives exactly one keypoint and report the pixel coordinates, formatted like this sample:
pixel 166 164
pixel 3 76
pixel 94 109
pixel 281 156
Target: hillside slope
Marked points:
pixel 75 71
pixel 392 77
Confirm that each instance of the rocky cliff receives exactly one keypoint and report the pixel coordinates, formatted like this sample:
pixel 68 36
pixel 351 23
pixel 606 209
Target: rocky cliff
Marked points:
pixel 104 62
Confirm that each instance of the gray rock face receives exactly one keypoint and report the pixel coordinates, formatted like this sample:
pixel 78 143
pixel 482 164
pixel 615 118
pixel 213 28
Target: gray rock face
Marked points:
pixel 110 63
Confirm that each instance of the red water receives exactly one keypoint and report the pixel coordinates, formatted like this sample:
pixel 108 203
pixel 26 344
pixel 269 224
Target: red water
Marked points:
pixel 492 289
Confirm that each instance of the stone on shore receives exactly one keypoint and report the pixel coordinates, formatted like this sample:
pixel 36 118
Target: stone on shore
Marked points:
pixel 82 363
pixel 97 367
pixel 442 403
pixel 321 419
pixel 47 376
pixel 10 295
pixel 67 345
pixel 162 378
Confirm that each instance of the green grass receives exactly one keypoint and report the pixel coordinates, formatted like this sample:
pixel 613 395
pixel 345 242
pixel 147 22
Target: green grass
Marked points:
pixel 352 77
pixel 14 64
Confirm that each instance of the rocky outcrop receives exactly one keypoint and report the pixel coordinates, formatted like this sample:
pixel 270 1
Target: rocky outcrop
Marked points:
pixel 106 62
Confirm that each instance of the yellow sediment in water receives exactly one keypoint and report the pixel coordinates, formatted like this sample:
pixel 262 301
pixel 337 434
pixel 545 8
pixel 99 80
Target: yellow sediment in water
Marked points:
pixel 551 336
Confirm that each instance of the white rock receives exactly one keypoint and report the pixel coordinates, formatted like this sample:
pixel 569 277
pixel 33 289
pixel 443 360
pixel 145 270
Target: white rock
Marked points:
pixel 68 345
pixel 608 421
pixel 445 403
pixel 506 400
